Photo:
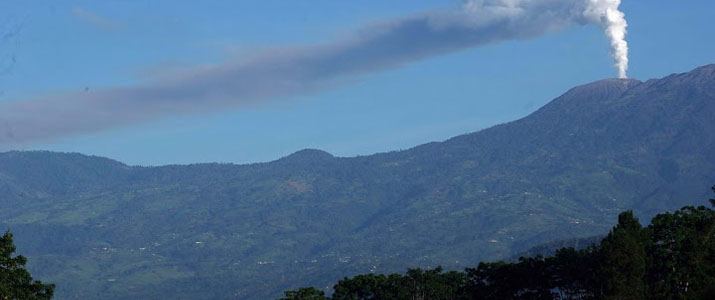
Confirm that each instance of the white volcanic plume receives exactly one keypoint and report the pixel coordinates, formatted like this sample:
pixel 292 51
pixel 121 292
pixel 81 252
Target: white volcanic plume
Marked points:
pixel 555 14
pixel 614 21
pixel 295 70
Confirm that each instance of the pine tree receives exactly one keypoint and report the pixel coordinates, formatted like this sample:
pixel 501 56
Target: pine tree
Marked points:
pixel 682 256
pixel 15 281
pixel 623 260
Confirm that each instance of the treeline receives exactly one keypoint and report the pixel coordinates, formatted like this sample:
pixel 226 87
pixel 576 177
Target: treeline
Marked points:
pixel 672 258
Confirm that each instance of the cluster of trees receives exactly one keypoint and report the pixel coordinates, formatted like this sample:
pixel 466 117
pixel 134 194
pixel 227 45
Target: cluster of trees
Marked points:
pixel 673 258
pixel 16 283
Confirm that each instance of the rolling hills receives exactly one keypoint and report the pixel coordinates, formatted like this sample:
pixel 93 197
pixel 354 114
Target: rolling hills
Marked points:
pixel 102 229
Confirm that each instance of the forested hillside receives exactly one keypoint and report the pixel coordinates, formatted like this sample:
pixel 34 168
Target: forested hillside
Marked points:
pixel 672 258
pixel 101 229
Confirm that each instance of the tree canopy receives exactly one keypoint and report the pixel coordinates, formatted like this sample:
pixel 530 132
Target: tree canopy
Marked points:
pixel 16 283
pixel 672 258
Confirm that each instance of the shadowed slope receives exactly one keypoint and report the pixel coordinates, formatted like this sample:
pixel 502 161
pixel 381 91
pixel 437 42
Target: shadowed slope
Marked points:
pixel 101 229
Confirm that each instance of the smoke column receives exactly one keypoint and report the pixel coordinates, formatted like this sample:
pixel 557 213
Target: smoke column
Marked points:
pixel 297 70
pixel 614 21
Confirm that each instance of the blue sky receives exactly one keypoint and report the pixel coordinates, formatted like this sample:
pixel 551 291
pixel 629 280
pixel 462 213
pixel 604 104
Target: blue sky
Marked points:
pixel 65 47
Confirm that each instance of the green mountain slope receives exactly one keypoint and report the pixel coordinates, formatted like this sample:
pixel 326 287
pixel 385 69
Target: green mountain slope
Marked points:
pixel 104 230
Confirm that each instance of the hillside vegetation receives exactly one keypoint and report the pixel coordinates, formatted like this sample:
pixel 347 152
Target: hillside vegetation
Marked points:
pixel 101 229
pixel 673 258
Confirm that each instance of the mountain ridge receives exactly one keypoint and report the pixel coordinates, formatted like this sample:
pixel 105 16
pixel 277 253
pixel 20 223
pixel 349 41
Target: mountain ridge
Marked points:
pixel 705 71
pixel 250 231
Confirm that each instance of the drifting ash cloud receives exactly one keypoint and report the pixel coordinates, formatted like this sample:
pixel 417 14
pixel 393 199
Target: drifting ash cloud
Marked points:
pixel 297 70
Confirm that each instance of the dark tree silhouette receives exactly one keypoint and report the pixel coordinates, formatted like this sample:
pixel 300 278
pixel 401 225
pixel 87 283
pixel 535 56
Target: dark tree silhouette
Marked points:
pixel 623 260
pixel 672 258
pixel 15 281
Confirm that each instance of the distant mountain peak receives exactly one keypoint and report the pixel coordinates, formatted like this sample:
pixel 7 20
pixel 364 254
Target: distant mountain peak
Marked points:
pixel 564 171
pixel 591 95
pixel 309 154
pixel 605 89
pixel 50 156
